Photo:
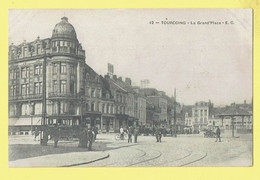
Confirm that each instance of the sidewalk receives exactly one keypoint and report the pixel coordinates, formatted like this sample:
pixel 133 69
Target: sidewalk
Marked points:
pixel 60 160
pixel 25 152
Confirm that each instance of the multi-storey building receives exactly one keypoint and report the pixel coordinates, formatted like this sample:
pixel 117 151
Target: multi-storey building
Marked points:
pixel 107 108
pixel 119 95
pixel 200 114
pixel 75 93
pixel 141 109
pixel 62 58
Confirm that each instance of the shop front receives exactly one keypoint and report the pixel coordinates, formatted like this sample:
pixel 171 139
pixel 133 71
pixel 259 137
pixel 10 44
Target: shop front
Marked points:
pixel 108 123
pixel 92 120
pixel 121 121
pixel 131 121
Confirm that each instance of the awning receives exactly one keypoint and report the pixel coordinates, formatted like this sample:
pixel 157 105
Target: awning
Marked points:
pixel 28 121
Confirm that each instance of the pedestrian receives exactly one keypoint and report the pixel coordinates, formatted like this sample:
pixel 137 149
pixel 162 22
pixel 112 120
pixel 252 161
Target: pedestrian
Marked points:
pixel 56 134
pixel 121 133
pixel 218 135
pixel 96 132
pixel 90 139
pixel 135 134
pixel 36 134
pixel 160 135
pixel 130 133
pixel 164 132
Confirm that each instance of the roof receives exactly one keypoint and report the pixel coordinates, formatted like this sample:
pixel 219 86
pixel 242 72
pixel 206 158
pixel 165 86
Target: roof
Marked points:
pixel 187 109
pixel 116 84
pixel 64 29
pixel 231 110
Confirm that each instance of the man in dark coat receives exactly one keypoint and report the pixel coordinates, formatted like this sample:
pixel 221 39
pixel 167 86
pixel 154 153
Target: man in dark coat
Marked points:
pixel 135 134
pixel 56 135
pixel 218 135
pixel 130 133
pixel 90 138
pixel 96 132
pixel 158 134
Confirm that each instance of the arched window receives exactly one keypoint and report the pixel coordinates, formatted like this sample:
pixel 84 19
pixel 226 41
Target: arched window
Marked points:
pixel 25 109
pixel 38 108
pixel 12 110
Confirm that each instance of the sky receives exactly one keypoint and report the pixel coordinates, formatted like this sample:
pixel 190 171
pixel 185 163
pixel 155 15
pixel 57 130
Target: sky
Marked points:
pixel 202 61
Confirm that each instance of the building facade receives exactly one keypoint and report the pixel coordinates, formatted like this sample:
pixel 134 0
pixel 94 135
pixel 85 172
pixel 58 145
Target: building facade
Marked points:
pixel 200 114
pixel 58 61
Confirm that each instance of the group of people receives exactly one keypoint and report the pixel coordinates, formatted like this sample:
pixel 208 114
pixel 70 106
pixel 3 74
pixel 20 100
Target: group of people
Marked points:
pixel 134 131
pixel 87 136
pixel 131 131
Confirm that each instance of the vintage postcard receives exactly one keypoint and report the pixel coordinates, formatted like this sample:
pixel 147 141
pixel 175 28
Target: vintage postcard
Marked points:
pixel 130 87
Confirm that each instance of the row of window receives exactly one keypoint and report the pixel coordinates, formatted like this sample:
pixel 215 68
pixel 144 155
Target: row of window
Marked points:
pixel 201 104
pixel 63 86
pixel 93 92
pixel 63 44
pixel 25 109
pixel 25 89
pixel 25 72
pixel 25 51
pixel 120 98
pixel 109 109
pixel 201 120
pixel 57 67
pixel 62 68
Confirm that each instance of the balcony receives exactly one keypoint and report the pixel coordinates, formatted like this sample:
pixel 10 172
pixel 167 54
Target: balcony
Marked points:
pixel 26 97
pixel 61 95
pixel 67 51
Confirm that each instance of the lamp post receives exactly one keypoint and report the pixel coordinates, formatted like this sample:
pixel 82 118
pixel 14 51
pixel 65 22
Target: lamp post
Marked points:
pixel 31 104
pixel 82 103
pixel 44 135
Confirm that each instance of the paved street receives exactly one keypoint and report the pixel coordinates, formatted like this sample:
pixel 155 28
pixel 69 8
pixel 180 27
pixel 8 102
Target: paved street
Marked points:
pixel 185 150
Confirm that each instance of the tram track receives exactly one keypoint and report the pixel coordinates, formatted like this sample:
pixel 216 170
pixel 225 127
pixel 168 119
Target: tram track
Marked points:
pixel 143 154
pixel 189 154
pixel 196 160
pixel 146 160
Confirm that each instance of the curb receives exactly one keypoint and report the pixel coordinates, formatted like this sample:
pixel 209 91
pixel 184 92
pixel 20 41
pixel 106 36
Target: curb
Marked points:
pixel 78 164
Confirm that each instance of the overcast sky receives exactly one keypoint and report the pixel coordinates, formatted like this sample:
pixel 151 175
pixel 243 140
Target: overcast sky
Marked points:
pixel 201 61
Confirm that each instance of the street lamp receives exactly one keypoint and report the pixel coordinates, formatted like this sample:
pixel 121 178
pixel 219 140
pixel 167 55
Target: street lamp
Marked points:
pixel 44 135
pixel 31 104
pixel 82 103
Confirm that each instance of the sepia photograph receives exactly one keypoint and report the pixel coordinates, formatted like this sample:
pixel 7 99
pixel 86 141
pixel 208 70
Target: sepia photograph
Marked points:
pixel 130 87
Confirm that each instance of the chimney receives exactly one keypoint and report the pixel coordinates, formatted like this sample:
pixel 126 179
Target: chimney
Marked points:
pixel 128 81
pixel 114 77
pixel 120 78
pixel 244 102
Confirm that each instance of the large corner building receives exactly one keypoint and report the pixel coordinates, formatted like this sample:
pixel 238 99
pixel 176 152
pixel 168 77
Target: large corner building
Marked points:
pixel 72 88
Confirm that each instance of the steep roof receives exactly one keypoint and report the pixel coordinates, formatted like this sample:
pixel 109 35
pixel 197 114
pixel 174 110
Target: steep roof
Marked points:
pixel 187 109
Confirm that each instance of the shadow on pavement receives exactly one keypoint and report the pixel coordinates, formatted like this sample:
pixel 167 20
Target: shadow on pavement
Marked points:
pixel 22 151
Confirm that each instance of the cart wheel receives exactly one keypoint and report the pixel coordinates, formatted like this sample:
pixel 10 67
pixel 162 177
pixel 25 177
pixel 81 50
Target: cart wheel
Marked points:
pixel 117 137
